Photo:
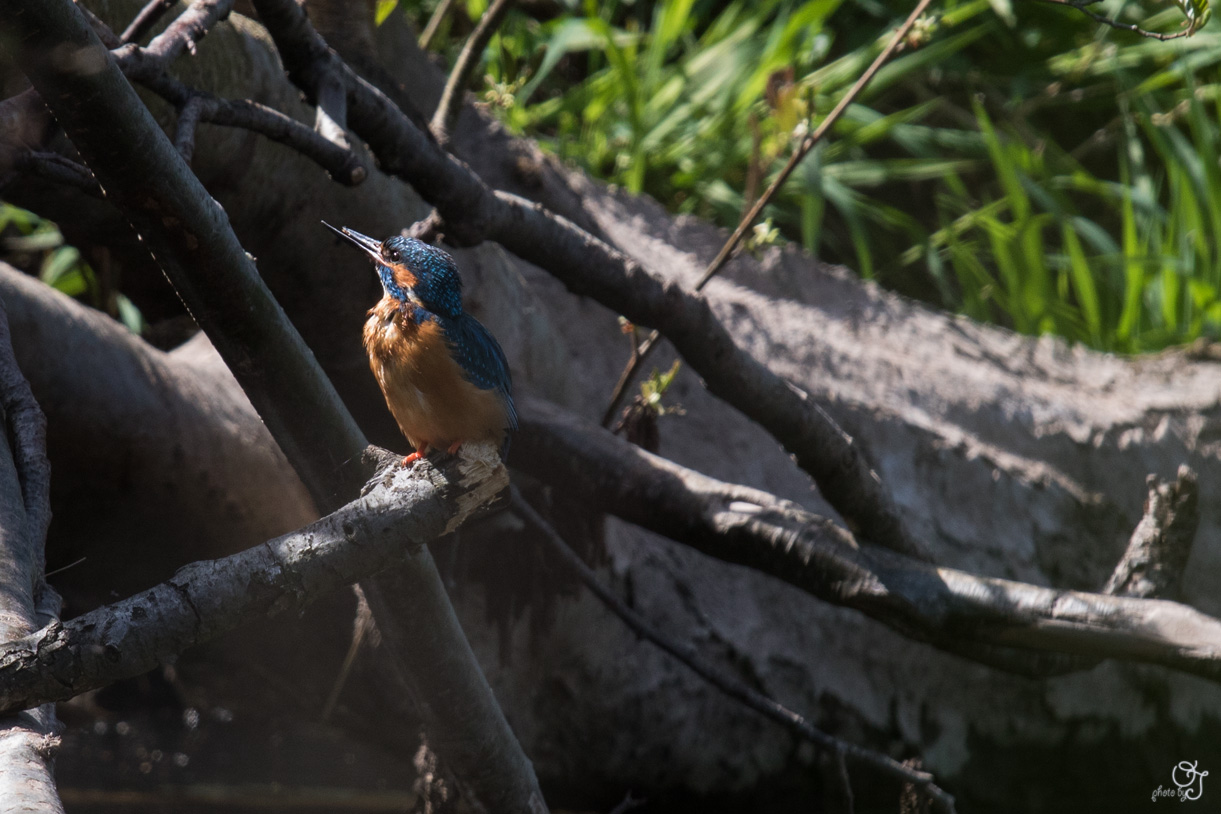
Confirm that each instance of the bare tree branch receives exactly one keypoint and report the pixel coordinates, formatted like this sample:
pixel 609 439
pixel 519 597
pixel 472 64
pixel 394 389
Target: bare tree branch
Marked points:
pixel 404 510
pixel 195 246
pixel 327 144
pixel 58 168
pixel 1153 564
pixel 183 34
pixel 188 121
pixel 341 162
pixel 1113 23
pixel 446 114
pixel 29 739
pixel 735 689
pixel 146 19
pixel 950 609
pixel 473 212
pixel 334 156
pixel 434 23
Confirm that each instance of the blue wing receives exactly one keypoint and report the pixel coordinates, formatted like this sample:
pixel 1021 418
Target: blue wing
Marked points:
pixel 481 358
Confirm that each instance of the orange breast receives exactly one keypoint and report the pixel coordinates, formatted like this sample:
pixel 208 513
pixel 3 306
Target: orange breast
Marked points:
pixel 425 389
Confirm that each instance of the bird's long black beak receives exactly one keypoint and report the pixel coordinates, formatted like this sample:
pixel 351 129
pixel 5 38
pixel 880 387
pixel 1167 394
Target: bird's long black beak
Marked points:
pixel 371 246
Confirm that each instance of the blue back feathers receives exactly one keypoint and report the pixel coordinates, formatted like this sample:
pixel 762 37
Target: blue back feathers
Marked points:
pixel 480 357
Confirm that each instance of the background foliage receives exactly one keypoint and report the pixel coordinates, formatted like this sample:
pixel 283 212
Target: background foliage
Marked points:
pixel 37 246
pixel 1018 163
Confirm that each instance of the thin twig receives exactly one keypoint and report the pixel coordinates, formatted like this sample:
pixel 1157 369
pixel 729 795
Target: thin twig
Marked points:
pixel 181 35
pixel 332 154
pixel 735 689
pixel 188 119
pixel 628 803
pixel 845 782
pixel 146 19
pixel 434 23
pixel 60 169
pixel 63 568
pixel 446 114
pixel 1101 18
pixel 185 32
pixel 362 626
pixel 344 165
pixel 748 220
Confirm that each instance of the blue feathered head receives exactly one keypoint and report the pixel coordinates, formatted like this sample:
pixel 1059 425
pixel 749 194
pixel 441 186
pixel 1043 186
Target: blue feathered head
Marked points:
pixel 412 271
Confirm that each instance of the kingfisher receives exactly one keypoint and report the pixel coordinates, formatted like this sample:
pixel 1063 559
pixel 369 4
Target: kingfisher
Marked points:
pixel 444 376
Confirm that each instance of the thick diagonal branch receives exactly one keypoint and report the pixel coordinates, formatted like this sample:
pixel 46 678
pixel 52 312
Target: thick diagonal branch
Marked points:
pixel 385 527
pixel 951 609
pixel 588 266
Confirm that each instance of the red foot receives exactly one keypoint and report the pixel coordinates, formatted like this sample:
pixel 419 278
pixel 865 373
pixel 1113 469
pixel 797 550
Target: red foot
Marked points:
pixel 423 451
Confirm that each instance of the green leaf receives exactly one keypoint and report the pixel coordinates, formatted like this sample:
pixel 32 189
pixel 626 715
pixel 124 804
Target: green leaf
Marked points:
pixel 571 36
pixel 654 388
pixel 36 242
pixel 59 266
pixel 1083 284
pixel 1197 13
pixel 130 315
pixel 384 8
pixel 1004 10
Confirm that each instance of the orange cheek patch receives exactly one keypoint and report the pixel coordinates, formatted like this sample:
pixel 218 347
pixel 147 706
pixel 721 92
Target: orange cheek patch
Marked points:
pixel 404 277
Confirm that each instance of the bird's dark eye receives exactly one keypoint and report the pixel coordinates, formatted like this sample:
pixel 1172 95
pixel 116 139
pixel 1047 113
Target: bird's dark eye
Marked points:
pixel 394 255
